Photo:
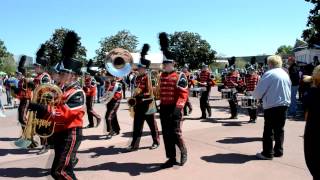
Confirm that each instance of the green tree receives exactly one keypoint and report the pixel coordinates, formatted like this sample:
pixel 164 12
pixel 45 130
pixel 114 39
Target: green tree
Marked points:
pixel 54 46
pixel 189 48
pixel 7 63
pixel 312 34
pixel 123 39
pixel 285 50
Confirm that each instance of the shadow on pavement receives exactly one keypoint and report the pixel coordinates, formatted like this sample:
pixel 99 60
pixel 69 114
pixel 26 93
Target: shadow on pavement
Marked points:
pixel 103 151
pixel 145 133
pixel 225 121
pixel 239 140
pixel 231 158
pixel 8 139
pixel 23 172
pixel 134 169
pixel 4 152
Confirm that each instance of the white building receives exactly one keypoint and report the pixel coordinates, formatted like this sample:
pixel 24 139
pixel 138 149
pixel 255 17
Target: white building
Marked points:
pixel 303 54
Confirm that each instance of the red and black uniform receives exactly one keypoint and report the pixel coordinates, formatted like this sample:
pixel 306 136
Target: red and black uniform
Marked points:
pixel 173 96
pixel 205 81
pixel 143 101
pixel 251 81
pixel 188 103
pixel 42 78
pixel 113 106
pixel 68 116
pixel 232 80
pixel 90 90
pixel 23 93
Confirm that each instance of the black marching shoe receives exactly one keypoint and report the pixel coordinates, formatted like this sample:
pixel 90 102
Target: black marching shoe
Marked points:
pixel 131 148
pixel 252 121
pixel 169 164
pixel 190 111
pixel 89 126
pixel 233 117
pixel 98 122
pixel 154 146
pixel 184 158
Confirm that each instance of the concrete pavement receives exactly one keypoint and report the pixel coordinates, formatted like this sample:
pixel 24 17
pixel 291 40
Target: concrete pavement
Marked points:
pixel 218 148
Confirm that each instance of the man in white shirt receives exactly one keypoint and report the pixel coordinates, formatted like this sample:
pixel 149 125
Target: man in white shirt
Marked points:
pixel 274 89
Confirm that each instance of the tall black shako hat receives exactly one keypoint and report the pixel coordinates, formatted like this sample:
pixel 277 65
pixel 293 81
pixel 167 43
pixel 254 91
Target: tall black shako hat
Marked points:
pixel 21 69
pixel 41 59
pixel 168 57
pixel 145 63
pixel 70 46
pixel 89 70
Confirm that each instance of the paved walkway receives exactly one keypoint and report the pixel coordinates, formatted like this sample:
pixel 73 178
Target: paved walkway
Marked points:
pixel 218 149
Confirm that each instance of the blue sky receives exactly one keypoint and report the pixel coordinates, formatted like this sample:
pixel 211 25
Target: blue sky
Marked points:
pixel 232 27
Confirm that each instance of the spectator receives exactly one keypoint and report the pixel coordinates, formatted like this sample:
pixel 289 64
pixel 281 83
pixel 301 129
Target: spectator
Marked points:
pixel 274 89
pixel 100 86
pixel 312 133
pixel 294 77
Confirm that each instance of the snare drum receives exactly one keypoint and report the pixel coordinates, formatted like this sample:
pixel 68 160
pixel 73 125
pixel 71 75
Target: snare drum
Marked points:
pixel 226 93
pixel 249 102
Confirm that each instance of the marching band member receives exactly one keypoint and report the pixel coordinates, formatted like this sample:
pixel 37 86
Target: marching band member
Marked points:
pixel 251 81
pixel 90 88
pixel 22 92
pixel 231 82
pixel 205 81
pixel 68 115
pixel 143 99
pixel 173 96
pixel 42 77
pixel 188 105
pixel 114 88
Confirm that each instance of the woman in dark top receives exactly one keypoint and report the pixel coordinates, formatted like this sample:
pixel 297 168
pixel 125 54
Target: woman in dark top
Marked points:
pixel 312 129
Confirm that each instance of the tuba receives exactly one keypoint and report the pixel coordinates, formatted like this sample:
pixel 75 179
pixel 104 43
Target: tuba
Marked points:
pixel 47 94
pixel 118 62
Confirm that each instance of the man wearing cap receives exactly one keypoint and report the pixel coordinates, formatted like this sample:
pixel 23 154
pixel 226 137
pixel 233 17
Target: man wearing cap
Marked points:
pixel 173 96
pixel 42 77
pixel 143 98
pixel 232 81
pixel 251 80
pixel 188 105
pixel 205 81
pixel 90 89
pixel 114 89
pixel 67 115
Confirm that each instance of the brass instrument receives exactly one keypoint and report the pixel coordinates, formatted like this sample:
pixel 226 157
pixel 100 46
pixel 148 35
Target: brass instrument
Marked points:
pixel 118 62
pixel 48 94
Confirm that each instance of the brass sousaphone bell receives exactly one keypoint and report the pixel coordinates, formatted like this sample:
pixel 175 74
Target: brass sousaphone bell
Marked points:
pixel 118 62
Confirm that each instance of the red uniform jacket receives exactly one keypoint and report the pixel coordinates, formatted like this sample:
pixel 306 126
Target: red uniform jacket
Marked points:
pixel 251 81
pixel 173 89
pixel 23 91
pixel 42 78
pixel 118 93
pixel 69 114
pixel 232 80
pixel 90 87
pixel 142 83
pixel 205 77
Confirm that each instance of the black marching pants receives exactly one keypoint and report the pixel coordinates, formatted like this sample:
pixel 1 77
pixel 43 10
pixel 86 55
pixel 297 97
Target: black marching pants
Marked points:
pixel 171 131
pixel 91 113
pixel 204 103
pixel 111 116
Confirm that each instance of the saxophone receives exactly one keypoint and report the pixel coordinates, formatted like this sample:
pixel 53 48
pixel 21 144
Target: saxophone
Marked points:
pixel 46 94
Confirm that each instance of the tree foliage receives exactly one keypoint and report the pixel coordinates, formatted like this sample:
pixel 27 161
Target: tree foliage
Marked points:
pixel 54 45
pixel 312 34
pixel 189 48
pixel 123 39
pixel 285 50
pixel 7 63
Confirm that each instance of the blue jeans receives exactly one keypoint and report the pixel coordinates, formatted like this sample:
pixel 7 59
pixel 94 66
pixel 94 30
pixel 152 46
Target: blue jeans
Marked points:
pixel 293 105
pixel 100 92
